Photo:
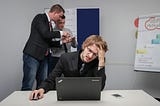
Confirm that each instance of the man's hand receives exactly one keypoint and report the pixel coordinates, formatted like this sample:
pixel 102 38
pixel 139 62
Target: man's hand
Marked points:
pixel 36 94
pixel 101 57
pixel 66 37
pixel 71 39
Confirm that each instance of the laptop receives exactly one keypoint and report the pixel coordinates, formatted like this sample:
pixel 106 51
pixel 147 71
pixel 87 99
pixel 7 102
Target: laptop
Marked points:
pixel 78 88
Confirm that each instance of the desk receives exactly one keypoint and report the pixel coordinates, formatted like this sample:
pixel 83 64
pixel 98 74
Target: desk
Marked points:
pixel 129 98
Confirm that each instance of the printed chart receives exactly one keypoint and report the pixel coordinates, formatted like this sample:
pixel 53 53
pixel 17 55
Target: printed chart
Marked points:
pixel 147 56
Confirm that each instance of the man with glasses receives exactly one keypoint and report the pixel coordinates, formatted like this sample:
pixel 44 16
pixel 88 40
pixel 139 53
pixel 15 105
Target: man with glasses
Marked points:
pixel 92 56
pixel 36 49
pixel 56 52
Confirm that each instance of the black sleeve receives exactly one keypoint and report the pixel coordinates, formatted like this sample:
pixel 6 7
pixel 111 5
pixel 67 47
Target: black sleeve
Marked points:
pixel 101 73
pixel 42 25
pixel 50 82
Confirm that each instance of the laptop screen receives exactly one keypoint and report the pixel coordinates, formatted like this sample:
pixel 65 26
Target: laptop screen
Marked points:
pixel 78 88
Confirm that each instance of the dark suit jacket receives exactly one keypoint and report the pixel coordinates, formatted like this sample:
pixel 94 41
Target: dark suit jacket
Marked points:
pixel 68 66
pixel 40 37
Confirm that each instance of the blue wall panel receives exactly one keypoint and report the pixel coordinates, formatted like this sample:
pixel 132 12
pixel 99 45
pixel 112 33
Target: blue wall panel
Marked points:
pixel 87 24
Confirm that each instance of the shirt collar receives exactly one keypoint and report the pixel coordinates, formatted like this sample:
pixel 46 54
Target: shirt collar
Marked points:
pixel 49 20
pixel 48 17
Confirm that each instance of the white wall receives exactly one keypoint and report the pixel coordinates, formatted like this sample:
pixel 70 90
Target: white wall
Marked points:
pixel 117 27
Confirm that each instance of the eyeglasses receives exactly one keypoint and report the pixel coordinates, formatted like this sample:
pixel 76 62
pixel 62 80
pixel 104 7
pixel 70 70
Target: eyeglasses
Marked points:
pixel 90 51
pixel 61 22
pixel 62 16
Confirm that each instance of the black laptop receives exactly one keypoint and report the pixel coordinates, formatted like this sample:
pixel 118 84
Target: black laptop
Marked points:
pixel 78 88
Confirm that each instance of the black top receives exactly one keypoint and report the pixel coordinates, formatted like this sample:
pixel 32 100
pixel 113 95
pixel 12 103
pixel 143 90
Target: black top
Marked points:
pixel 68 66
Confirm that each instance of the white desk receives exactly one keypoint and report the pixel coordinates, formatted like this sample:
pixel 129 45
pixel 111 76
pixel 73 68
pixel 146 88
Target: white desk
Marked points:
pixel 129 98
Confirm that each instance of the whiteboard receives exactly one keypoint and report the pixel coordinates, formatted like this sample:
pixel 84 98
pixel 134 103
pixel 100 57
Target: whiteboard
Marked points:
pixel 147 56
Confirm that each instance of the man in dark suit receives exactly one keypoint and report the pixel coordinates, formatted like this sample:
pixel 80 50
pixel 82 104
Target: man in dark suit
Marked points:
pixel 36 49
pixel 92 56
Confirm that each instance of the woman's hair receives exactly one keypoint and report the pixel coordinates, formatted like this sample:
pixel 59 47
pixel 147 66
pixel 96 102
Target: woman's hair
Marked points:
pixel 97 40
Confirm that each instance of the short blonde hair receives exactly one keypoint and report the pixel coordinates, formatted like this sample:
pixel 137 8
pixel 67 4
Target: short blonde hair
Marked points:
pixel 97 40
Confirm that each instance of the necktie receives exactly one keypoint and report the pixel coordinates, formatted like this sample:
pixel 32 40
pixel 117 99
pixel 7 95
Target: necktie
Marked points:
pixel 65 47
pixel 81 69
pixel 50 29
pixel 50 26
